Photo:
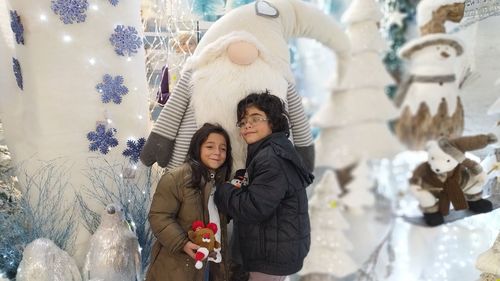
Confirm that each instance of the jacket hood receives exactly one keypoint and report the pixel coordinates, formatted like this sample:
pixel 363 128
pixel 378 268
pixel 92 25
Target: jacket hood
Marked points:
pixel 284 149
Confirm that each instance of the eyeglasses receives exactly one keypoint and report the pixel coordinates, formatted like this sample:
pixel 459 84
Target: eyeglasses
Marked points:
pixel 252 120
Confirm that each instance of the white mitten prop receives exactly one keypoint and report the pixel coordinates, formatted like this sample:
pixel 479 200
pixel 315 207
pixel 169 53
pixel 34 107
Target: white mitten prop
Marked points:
pixel 218 256
pixel 424 197
pixel 201 254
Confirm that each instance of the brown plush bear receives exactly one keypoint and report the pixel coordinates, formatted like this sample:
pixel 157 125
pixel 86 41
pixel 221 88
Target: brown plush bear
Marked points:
pixel 449 177
pixel 204 236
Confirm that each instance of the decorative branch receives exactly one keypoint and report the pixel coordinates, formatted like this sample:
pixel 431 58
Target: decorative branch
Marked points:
pixel 116 183
pixel 40 214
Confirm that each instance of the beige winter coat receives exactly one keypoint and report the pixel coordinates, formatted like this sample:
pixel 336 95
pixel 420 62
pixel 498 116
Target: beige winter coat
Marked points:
pixel 174 208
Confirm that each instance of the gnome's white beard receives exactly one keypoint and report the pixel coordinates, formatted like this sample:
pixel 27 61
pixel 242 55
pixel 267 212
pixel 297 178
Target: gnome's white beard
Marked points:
pixel 220 85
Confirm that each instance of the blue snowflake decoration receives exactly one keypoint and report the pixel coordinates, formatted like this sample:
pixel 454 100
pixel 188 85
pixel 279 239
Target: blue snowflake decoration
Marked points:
pixel 112 89
pixel 134 149
pixel 102 140
pixel 16 67
pixel 70 11
pixel 126 40
pixel 17 27
pixel 114 2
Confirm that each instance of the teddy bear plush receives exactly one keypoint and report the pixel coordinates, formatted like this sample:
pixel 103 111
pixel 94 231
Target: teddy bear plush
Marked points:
pixel 246 51
pixel 449 177
pixel 204 236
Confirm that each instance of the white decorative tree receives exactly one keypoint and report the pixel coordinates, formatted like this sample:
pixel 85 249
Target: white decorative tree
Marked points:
pixel 354 121
pixel 359 193
pixel 352 126
pixel 329 245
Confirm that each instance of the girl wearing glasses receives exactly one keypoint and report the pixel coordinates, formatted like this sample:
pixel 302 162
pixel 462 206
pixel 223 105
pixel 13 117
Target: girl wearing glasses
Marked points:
pixel 270 211
pixel 184 195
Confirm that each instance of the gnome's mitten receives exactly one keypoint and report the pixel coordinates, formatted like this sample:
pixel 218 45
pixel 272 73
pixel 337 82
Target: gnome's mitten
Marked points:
pixel 157 149
pixel 433 219
pixel 307 155
pixel 201 254
pixel 480 206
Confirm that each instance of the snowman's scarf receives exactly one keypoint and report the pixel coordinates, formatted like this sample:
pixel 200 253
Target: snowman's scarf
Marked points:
pixel 405 85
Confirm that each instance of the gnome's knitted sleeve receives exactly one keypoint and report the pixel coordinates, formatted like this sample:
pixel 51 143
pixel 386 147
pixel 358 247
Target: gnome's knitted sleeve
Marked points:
pixel 300 128
pixel 169 121
pixel 301 131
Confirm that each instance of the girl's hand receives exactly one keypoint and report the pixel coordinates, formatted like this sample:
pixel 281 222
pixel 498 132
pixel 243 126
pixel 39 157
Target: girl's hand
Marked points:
pixel 190 249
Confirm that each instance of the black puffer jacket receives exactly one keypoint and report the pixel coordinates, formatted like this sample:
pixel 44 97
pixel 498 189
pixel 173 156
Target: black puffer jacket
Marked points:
pixel 271 211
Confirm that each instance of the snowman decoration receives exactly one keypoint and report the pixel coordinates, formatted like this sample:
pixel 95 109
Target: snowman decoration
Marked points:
pixel 428 97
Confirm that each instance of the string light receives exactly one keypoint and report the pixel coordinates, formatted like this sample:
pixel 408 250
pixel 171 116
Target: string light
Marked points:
pixel 67 38
pixel 43 17
pixel 163 21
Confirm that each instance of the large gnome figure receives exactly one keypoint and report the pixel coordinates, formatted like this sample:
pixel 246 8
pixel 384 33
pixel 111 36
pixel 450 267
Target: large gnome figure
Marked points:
pixel 428 97
pixel 245 51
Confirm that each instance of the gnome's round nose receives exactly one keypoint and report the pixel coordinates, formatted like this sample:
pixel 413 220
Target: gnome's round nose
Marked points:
pixel 110 209
pixel 242 53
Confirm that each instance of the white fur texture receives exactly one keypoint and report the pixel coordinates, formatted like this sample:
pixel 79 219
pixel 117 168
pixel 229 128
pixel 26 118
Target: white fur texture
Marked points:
pixel 44 261
pixel 220 85
pixel 424 197
pixel 439 161
pixel 114 250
